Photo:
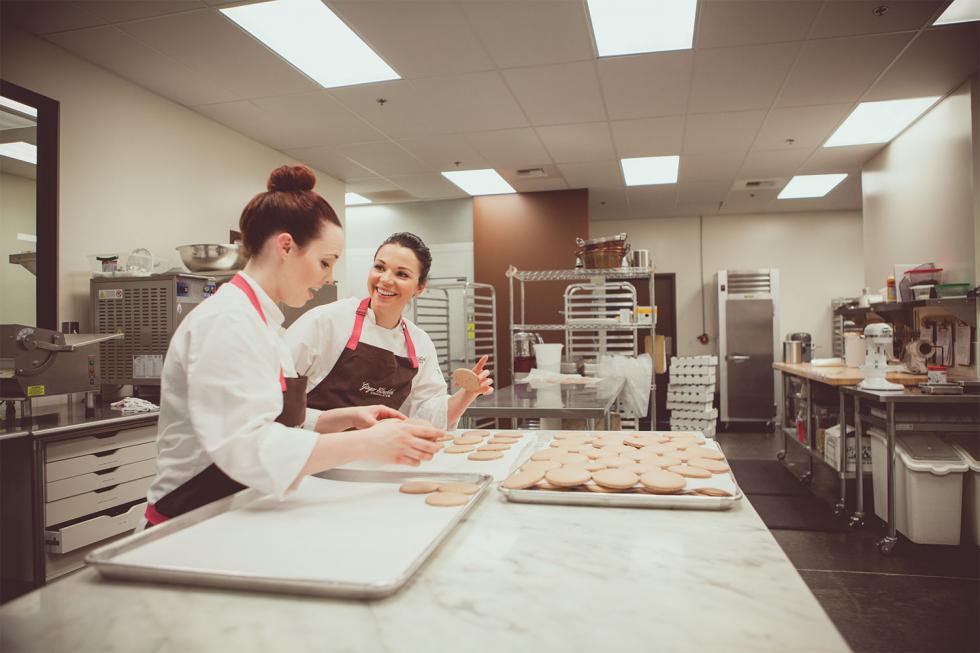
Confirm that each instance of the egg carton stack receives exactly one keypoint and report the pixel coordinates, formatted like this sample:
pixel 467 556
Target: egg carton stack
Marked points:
pixel 691 394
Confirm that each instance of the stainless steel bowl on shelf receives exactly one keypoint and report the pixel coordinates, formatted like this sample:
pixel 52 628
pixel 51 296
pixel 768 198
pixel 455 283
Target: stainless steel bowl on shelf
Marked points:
pixel 210 257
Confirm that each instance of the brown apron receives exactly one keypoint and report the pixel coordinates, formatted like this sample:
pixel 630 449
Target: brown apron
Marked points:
pixel 365 374
pixel 212 484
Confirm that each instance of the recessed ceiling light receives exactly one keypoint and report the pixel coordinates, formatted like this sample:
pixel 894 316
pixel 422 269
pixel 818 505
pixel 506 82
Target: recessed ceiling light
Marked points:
pixel 18 106
pixel 810 186
pixel 647 170
pixel 353 199
pixel 635 26
pixel 878 122
pixel 20 150
pixel 961 11
pixel 479 182
pixel 307 34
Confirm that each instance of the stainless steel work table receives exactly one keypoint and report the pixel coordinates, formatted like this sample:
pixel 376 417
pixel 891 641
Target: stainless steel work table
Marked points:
pixel 892 424
pixel 563 401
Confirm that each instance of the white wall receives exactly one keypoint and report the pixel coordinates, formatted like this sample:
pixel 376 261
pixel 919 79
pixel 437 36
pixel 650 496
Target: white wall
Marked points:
pixel 137 170
pixel 919 202
pixel 17 285
pixel 819 257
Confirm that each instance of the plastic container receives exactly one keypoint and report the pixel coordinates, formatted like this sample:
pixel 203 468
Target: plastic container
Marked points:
pixel 890 289
pixel 928 486
pixel 922 291
pixel 831 449
pixel 925 275
pixel 968 447
pixel 548 357
pixel 946 290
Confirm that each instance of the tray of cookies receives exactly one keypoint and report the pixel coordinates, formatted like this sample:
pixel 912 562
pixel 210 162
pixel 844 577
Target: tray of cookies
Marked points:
pixel 661 469
pixel 343 533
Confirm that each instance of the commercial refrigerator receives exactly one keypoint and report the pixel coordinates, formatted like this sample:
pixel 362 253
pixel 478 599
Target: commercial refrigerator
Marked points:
pixel 748 303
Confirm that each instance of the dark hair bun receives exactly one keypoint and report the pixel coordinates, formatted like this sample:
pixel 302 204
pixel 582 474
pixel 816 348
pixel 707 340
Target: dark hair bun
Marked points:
pixel 291 179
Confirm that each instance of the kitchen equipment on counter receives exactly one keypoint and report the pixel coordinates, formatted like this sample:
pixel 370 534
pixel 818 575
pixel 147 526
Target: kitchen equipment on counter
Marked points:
pixel 854 349
pixel 605 252
pixel 524 351
pixel 917 353
pixel 879 337
pixel 40 362
pixel 792 351
pixel 639 258
pixel 212 257
pixel 137 263
pixel 806 344
pixel 147 310
pixel 547 357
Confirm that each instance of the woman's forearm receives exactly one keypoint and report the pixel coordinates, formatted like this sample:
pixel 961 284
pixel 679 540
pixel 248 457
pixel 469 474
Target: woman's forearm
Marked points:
pixel 458 403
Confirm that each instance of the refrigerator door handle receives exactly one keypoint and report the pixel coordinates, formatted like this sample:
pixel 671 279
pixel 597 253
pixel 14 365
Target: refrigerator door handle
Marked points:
pixel 737 358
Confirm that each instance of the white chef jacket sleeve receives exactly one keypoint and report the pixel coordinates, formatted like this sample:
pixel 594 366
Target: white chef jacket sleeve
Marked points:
pixel 429 399
pixel 306 338
pixel 234 397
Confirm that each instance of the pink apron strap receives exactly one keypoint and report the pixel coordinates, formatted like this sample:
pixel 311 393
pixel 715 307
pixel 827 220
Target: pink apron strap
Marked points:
pixel 239 282
pixel 152 516
pixel 355 335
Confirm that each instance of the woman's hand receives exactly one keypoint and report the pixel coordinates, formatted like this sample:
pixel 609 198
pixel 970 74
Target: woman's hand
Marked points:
pixel 400 443
pixel 486 381
pixel 459 402
pixel 358 417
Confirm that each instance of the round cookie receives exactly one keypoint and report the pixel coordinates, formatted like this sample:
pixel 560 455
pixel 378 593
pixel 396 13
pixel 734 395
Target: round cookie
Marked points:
pixel 494 447
pixel 522 479
pixel 640 468
pixel 503 439
pixel 418 487
pixel 567 476
pixel 635 455
pixel 593 466
pixel 712 492
pixel 614 461
pixel 459 488
pixel 468 439
pixel 478 432
pixel 466 379
pixel 543 465
pixel 661 449
pixel 593 453
pixel 545 454
pixel 706 452
pixel 447 499
pixel 485 455
pixel 615 479
pixel 663 461
pixel 571 459
pixel 690 472
pixel 713 466
pixel 592 486
pixel 459 448
pixel 444 438
pixel 661 481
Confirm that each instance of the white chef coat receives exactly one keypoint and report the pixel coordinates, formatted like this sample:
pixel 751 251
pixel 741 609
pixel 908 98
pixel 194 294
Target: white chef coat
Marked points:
pixel 221 394
pixel 320 335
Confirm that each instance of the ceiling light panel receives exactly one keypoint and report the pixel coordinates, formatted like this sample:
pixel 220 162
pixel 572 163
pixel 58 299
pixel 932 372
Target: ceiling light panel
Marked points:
pixel 648 170
pixel 307 34
pixel 20 150
pixel 635 26
pixel 961 11
pixel 353 199
pixel 802 186
pixel 878 122
pixel 479 182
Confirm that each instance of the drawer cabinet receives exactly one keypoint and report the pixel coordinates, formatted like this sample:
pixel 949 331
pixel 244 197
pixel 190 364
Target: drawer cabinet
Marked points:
pixel 69 487
pixel 80 505
pixel 93 444
pixel 97 462
pixel 94 528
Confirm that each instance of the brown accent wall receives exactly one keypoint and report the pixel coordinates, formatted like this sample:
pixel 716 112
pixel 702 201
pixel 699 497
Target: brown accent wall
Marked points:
pixel 532 231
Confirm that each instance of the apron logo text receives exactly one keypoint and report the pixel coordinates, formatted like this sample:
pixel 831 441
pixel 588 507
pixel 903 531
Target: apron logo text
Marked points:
pixel 377 392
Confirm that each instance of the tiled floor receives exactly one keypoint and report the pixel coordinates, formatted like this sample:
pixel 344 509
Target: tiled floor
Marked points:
pixel 920 598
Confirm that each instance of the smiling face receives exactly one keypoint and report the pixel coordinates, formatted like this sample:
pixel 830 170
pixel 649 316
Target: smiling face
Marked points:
pixel 307 269
pixel 394 279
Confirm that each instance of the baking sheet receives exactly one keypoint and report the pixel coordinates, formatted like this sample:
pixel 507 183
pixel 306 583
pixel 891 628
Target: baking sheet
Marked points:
pixel 341 533
pixel 637 499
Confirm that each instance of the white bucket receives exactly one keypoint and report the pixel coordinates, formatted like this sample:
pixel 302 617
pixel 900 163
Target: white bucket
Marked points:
pixel 547 357
pixel 854 350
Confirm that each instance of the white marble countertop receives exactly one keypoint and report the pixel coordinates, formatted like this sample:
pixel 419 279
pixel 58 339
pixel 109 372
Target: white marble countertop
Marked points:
pixel 513 577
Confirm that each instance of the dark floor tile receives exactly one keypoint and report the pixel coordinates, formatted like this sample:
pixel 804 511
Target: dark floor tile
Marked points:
pixel 876 612
pixel 749 445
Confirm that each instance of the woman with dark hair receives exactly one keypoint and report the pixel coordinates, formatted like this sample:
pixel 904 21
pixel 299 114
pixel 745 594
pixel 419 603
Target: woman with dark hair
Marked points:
pixel 232 406
pixel 362 350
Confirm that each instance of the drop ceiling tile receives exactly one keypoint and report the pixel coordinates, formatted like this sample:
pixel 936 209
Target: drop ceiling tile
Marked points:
pixel 593 174
pixel 703 192
pixel 938 61
pixel 383 158
pixel 327 159
pixel 718 133
pixel 747 201
pixel 125 56
pixel 563 93
pixel 723 24
pixel 647 85
pixel 510 148
pixel 691 210
pixel 648 136
pixel 370 185
pixel 709 167
pixel 838 159
pixel 531 33
pixel 309 119
pixel 537 185
pixel 839 70
pixel 737 79
pixel 207 42
pixel 430 186
pixel 417 39
pixel 858 17
pixel 646 200
pixel 608 204
pixel 773 163
pixel 116 11
pixel 578 143
pixel 41 17
pixel 445 152
pixel 808 127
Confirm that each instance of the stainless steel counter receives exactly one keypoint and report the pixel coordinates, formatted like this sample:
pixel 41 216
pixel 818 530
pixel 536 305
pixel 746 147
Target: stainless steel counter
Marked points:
pixel 70 418
pixel 569 401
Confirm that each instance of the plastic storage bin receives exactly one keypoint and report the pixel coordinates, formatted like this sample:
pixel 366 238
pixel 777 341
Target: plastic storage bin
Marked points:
pixel 928 486
pixel 831 449
pixel 968 447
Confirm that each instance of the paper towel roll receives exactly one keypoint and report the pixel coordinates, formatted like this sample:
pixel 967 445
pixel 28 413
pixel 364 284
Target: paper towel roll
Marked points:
pixel 854 349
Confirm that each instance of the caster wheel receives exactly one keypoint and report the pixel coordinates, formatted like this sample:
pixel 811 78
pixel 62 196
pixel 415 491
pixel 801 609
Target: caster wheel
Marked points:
pixel 806 479
pixel 838 510
pixel 885 546
pixel 781 455
pixel 855 521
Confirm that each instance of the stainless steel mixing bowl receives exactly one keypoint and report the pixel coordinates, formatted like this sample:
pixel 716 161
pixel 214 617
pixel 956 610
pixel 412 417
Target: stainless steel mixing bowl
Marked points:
pixel 212 257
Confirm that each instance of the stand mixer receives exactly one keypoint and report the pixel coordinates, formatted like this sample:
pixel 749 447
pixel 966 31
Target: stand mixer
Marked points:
pixel 878 336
